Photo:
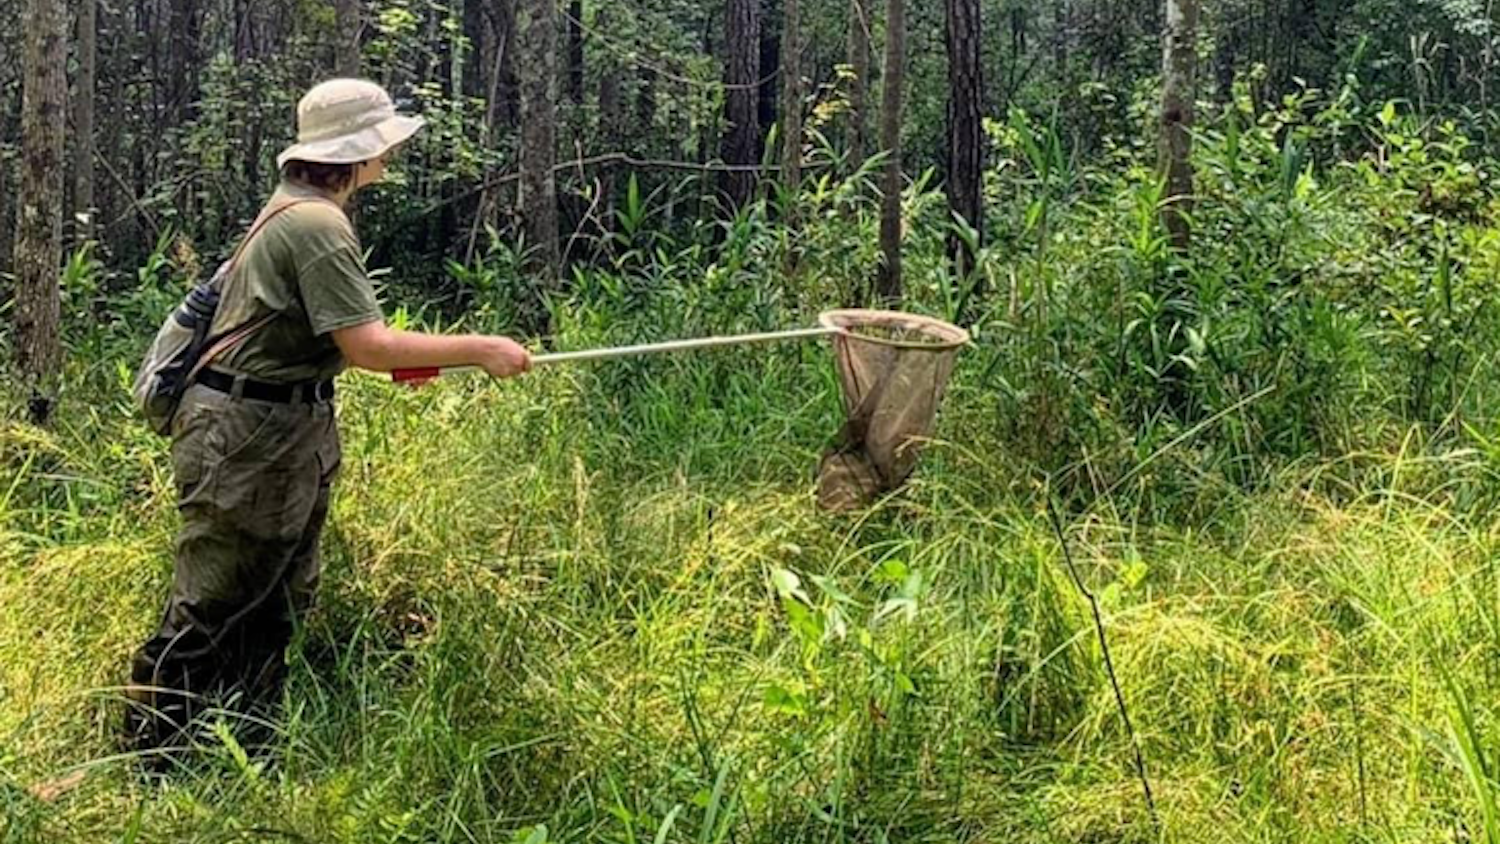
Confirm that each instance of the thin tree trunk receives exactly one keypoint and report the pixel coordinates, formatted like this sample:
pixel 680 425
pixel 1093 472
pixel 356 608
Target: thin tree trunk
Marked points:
pixel 510 81
pixel 244 32
pixel 10 120
pixel 859 64
pixel 1226 58
pixel 965 132
pixel 146 27
pixel 1062 39
pixel 609 124
pixel 182 84
pixel 83 120
pixel 888 285
pixel 1179 72
pixel 348 26
pixel 476 71
pixel 767 96
pixel 459 48
pixel 110 122
pixel 504 100
pixel 246 40
pixel 38 251
pixel 575 51
pixel 1487 59
pixel 645 111
pixel 7 189
pixel 741 72
pixel 791 97
pixel 537 30
pixel 610 105
pixel 491 60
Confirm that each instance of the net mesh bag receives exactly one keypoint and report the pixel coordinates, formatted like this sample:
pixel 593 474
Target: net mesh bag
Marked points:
pixel 893 369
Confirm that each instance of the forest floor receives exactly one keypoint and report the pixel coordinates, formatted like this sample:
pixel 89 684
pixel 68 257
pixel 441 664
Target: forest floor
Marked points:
pixel 553 612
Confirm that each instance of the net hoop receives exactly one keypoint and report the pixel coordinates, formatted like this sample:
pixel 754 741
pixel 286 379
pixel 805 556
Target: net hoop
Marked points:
pixel 939 336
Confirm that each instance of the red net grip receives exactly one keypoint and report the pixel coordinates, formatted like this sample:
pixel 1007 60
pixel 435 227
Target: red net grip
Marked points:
pixel 427 373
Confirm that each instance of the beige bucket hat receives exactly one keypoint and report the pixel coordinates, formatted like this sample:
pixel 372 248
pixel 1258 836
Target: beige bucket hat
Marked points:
pixel 346 121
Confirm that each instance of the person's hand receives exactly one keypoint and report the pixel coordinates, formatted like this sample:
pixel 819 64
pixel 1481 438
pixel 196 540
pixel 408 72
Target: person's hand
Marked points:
pixel 503 357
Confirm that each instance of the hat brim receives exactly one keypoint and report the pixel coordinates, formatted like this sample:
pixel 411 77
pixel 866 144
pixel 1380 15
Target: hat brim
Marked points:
pixel 364 145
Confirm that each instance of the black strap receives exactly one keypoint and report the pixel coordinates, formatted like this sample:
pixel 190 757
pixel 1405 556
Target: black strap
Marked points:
pixel 310 392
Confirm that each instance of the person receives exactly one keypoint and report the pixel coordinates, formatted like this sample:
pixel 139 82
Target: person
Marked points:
pixel 255 442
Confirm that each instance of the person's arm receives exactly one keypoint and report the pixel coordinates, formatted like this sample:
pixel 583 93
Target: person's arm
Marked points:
pixel 340 302
pixel 380 348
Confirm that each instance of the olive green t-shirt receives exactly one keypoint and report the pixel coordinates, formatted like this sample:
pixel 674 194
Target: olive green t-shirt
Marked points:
pixel 305 265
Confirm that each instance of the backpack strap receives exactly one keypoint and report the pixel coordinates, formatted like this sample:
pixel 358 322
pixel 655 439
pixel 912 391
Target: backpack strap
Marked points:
pixel 239 335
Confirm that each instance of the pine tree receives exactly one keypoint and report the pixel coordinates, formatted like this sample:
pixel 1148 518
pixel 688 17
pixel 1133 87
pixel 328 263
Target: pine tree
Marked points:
pixel 1179 79
pixel 38 250
pixel 888 285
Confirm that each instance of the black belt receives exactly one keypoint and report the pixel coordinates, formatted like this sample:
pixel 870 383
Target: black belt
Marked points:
pixel 310 392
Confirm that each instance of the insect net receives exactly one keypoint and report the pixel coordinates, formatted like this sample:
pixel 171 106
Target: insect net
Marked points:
pixel 893 369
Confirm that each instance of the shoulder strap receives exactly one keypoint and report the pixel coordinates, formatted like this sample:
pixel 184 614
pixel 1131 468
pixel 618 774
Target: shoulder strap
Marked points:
pixel 265 217
pixel 237 336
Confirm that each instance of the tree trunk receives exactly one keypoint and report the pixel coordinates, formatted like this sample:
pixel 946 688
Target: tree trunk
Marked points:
pixel 476 70
pixel 7 194
pixel 182 82
pixel 741 73
pixel 888 285
pixel 859 64
pixel 537 36
pixel 38 251
pixel 83 120
pixel 645 110
pixel 10 119
pixel 1062 19
pixel 610 108
pixel 791 97
pixel 965 132
pixel 610 105
pixel 459 47
pixel 1179 71
pixel 768 96
pixel 248 46
pixel 575 51
pixel 244 30
pixel 1226 59
pixel 504 101
pixel 491 52
pixel 348 26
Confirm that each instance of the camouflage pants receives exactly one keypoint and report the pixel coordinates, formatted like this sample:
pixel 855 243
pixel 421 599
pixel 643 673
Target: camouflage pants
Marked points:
pixel 253 483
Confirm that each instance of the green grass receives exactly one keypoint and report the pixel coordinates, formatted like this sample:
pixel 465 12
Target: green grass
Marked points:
pixel 600 605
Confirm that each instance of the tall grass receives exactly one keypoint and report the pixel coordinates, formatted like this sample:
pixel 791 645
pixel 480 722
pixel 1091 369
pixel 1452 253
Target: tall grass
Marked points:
pixel 518 632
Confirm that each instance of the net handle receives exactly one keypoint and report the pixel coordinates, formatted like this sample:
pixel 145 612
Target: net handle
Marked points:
pixel 828 323
pixel 613 352
pixel 682 345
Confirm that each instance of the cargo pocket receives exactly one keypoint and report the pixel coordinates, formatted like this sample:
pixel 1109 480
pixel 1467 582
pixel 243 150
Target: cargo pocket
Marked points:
pixel 287 497
pixel 248 454
pixel 244 429
pixel 189 446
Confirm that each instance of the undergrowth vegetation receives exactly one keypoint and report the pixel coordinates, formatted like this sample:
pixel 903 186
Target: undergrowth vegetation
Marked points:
pixel 599 604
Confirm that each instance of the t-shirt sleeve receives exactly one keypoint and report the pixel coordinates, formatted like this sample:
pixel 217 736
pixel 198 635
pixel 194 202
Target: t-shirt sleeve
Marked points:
pixel 336 290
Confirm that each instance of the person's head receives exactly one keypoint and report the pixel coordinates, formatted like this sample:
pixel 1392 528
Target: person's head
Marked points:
pixel 336 178
pixel 346 132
